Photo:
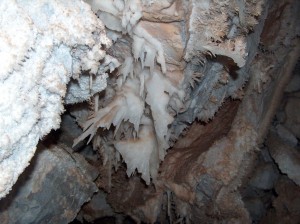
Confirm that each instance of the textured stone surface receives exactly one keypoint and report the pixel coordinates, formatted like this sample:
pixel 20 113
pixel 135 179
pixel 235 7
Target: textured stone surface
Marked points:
pixel 264 177
pixel 255 208
pixel 176 68
pixel 202 173
pixel 286 205
pixel 286 135
pixel 286 156
pixel 183 61
pixel 43 44
pixel 294 84
pixel 51 190
pixel 96 208
pixel 293 116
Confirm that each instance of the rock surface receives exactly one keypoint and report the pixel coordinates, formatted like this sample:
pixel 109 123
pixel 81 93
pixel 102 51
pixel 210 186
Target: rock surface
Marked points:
pixel 287 157
pixel 286 205
pixel 209 73
pixel 96 208
pixel 199 177
pixel 51 190
pixel 264 177
pixel 293 118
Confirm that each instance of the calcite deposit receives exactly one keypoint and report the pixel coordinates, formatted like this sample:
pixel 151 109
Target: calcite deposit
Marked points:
pixel 175 99
pixel 43 45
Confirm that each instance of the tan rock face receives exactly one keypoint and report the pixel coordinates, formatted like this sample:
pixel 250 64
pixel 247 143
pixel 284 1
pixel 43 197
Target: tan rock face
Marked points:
pixel 169 34
pixel 164 11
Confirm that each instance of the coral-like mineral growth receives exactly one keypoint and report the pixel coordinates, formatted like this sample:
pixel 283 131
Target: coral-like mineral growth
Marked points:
pixel 43 45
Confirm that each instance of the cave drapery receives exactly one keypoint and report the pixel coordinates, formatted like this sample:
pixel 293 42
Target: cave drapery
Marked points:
pixel 178 94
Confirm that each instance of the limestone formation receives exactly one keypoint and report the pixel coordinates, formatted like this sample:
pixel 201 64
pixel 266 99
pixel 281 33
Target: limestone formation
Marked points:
pixel 175 98
pixel 43 45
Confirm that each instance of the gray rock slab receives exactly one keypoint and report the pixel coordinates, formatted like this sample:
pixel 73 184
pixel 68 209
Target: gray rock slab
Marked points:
pixel 264 177
pixel 292 122
pixel 51 190
pixel 287 157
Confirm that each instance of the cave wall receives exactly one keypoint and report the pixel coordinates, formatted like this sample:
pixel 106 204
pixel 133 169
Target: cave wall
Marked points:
pixel 149 69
